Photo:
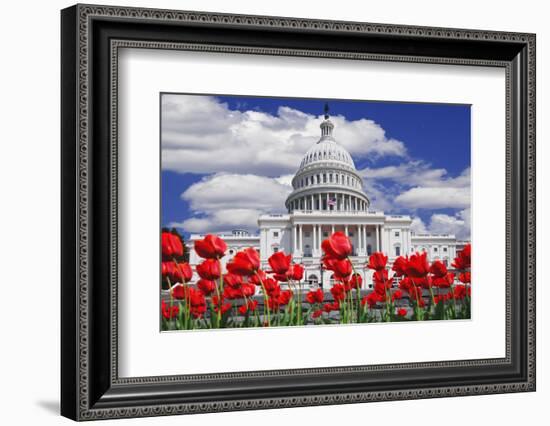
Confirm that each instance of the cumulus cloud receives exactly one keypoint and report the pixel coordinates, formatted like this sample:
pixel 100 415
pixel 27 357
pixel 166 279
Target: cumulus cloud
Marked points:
pixel 226 201
pixel 434 198
pixel 200 134
pixel 458 224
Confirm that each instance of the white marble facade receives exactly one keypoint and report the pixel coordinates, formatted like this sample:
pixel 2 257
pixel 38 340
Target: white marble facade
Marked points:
pixel 328 196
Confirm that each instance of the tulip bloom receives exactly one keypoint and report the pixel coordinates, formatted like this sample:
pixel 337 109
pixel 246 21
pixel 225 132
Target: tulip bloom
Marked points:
pixel 316 314
pixel 209 269
pixel 377 261
pixel 328 307
pixel 197 303
pixel 341 268
pixel 296 272
pixel 233 280
pixel 280 262
pixel 180 292
pixel 400 265
pixel 259 277
pixel 438 269
pixel 211 247
pixel 219 305
pixel 337 245
pixel 401 312
pixel 417 267
pixel 169 312
pixel 465 277
pixel 251 305
pixel 171 245
pixel 463 260
pixel 245 262
pixel 372 299
pixel 316 296
pixel 177 272
pixel 338 292
pixel 206 286
pixel 444 282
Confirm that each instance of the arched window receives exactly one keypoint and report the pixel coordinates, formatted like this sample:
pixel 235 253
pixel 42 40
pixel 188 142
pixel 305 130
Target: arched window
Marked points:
pixel 397 250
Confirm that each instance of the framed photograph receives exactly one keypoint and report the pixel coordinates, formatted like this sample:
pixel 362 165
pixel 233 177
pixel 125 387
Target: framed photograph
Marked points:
pixel 263 212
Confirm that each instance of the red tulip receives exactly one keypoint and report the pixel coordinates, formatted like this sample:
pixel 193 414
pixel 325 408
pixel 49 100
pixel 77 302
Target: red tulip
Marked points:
pixel 233 280
pixel 259 277
pixel 400 265
pixel 169 312
pixel 280 262
pixel 380 276
pixel 405 284
pixel 465 277
pixel 444 282
pixel 317 313
pixel 206 286
pixel 337 245
pixel 285 297
pixel 338 292
pixel 377 261
pixel 180 291
pixel 296 272
pixel 328 307
pixel 316 296
pixel 246 262
pixel 251 305
pixel 460 291
pixel 463 260
pixel 171 245
pixel 211 247
pixel 438 269
pixel 272 287
pixel 417 267
pixel 401 312
pixel 342 268
pixel 372 299
pixel 209 269
pixel 177 272
pixel 397 294
pixel 197 303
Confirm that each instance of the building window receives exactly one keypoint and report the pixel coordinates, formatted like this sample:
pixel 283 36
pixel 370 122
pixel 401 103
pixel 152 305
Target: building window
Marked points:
pixel 397 233
pixel 368 234
pixel 275 233
pixel 444 249
pixel 307 234
pixel 350 234
pixel 397 251
pixel 275 249
pixel 435 249
pixel 231 251
pixel 325 234
pixel 369 249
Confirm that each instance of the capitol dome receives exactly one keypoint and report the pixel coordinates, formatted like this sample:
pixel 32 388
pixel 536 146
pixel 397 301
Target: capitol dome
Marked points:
pixel 327 179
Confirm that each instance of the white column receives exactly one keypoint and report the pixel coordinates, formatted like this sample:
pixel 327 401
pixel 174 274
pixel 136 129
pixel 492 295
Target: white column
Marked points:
pixel 377 238
pixel 314 245
pixel 346 230
pixel 301 239
pixel 320 203
pixel 360 237
pixel 332 229
pixel 319 237
pixel 312 203
pixel 294 239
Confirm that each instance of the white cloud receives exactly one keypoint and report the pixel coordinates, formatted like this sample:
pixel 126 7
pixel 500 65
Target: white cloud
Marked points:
pixel 458 224
pixel 202 135
pixel 434 198
pixel 226 201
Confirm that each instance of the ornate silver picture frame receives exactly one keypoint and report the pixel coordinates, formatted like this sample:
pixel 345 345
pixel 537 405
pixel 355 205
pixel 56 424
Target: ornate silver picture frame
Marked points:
pixel 91 38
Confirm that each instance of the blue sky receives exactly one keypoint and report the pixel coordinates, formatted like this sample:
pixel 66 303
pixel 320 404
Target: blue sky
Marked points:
pixel 227 158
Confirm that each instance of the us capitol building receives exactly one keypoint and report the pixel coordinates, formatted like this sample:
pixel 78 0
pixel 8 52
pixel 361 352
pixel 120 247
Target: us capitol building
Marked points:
pixel 328 196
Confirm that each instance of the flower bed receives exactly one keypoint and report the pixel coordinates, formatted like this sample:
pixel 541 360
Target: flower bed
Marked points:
pixel 244 295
